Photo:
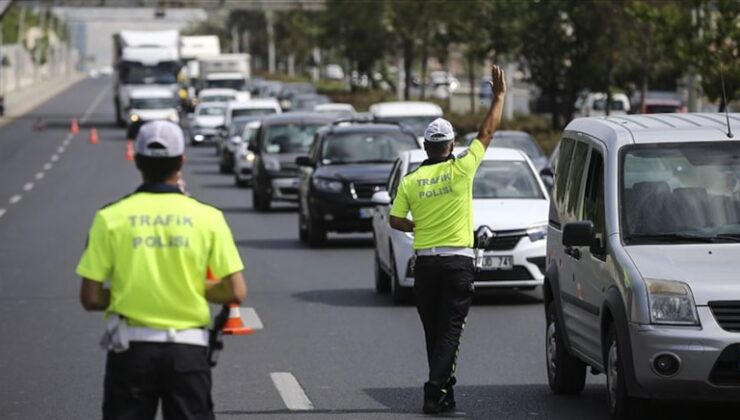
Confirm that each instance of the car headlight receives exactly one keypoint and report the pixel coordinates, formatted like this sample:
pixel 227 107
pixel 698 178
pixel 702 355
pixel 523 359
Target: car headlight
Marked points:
pixel 250 157
pixel 329 185
pixel 271 164
pixel 134 117
pixel 199 137
pixel 173 117
pixel 537 232
pixel 671 302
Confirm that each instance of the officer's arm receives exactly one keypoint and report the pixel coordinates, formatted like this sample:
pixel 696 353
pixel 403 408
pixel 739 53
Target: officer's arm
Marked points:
pixel 93 296
pixel 401 223
pixel 493 118
pixel 231 289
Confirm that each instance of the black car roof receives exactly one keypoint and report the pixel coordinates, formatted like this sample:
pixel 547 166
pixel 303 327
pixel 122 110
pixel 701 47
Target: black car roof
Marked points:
pixel 296 117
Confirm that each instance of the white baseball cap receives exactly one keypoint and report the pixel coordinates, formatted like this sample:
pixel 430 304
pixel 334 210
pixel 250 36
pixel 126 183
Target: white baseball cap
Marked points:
pixel 439 131
pixel 160 139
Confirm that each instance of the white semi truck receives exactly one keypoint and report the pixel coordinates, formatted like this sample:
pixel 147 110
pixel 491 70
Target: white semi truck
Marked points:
pixel 194 48
pixel 230 71
pixel 143 58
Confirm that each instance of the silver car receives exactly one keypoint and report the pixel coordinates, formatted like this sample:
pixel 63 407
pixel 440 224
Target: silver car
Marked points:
pixel 642 260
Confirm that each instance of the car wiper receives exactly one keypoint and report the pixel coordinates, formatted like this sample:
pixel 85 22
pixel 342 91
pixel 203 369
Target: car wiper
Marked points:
pixel 732 237
pixel 371 161
pixel 672 237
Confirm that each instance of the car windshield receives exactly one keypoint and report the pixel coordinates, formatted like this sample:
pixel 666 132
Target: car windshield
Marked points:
pixel 237 126
pixel 417 125
pixel 252 112
pixel 502 179
pixel 153 103
pixel 217 98
pixel 290 138
pixel 236 84
pixel 676 193
pixel 600 105
pixel 368 147
pixel 249 133
pixel 520 142
pixel 133 73
pixel 211 111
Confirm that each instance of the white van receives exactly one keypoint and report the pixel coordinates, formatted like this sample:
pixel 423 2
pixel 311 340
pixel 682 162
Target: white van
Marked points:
pixel 416 116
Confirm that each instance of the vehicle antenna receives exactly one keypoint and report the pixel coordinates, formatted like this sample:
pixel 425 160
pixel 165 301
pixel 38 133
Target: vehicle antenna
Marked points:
pixel 724 99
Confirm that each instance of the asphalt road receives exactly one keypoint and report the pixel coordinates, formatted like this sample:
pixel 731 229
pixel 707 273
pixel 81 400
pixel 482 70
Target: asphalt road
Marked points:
pixel 353 354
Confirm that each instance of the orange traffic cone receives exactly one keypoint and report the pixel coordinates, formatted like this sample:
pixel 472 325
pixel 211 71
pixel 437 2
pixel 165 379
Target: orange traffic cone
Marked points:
pixel 234 325
pixel 74 127
pixel 93 137
pixel 130 151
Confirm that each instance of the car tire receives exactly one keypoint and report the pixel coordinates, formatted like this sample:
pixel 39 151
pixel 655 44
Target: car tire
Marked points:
pixel 399 294
pixel 260 202
pixel 316 233
pixel 240 183
pixel 302 228
pixel 382 279
pixel 566 374
pixel 621 405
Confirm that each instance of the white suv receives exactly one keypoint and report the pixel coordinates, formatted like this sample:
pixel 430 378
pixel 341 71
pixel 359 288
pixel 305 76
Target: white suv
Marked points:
pixel 508 197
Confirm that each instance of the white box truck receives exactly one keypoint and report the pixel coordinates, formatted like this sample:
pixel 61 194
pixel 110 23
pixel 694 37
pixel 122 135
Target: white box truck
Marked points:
pixel 194 48
pixel 143 58
pixel 230 71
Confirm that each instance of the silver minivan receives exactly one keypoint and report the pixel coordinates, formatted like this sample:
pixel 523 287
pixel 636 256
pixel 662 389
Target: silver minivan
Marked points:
pixel 643 260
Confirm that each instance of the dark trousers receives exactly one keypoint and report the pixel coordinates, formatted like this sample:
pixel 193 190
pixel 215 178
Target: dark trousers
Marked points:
pixel 177 374
pixel 444 290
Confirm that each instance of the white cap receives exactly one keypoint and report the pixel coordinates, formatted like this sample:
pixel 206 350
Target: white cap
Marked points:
pixel 160 139
pixel 439 131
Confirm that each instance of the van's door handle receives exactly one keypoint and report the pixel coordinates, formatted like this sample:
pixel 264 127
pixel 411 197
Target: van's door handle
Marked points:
pixel 574 253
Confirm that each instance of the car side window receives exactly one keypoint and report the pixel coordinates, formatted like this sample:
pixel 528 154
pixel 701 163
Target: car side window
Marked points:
pixel 566 154
pixel 395 178
pixel 593 203
pixel 575 178
pixel 313 152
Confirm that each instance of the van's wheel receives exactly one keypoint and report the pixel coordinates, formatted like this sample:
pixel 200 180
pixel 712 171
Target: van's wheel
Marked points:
pixel 399 294
pixel 382 279
pixel 565 373
pixel 621 405
pixel 316 233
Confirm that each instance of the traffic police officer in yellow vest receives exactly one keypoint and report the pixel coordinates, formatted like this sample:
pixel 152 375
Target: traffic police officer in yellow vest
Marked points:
pixel 154 246
pixel 439 196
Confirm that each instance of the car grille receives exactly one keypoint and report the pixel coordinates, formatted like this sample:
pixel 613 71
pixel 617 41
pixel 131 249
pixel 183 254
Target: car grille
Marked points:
pixel 726 370
pixel 366 191
pixel 727 314
pixel 517 273
pixel 504 240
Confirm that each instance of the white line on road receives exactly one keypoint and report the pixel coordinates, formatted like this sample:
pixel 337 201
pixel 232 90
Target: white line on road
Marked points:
pixel 28 186
pixel 48 166
pixel 2 212
pixel 251 319
pixel 291 391
pixel 16 198
pixel 94 104
pixel 61 149
pixel 40 175
pixel 54 157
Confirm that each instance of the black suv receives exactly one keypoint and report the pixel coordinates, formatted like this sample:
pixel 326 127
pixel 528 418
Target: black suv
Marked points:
pixel 281 138
pixel 348 163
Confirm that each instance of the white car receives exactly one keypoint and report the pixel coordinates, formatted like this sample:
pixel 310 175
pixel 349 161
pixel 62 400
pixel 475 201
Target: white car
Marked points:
pixel 339 111
pixel 152 103
pixel 416 116
pixel 255 109
pixel 217 95
pixel 508 197
pixel 244 159
pixel 594 105
pixel 206 122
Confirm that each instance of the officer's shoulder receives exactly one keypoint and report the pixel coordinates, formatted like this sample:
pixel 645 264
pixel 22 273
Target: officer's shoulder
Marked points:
pixel 204 205
pixel 113 204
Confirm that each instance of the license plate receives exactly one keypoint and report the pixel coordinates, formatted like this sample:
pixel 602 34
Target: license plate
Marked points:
pixel 497 262
pixel 367 212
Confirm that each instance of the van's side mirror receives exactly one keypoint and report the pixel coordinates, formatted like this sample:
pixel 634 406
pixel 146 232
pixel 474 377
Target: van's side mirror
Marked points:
pixel 304 161
pixel 578 234
pixel 253 147
pixel 381 198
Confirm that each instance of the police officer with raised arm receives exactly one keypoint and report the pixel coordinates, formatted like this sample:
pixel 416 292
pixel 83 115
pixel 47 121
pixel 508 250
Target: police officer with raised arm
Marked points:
pixel 155 246
pixel 439 196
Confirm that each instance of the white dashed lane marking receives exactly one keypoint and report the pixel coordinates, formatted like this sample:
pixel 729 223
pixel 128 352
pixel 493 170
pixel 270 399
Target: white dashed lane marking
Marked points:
pixel 28 186
pixel 291 392
pixel 2 212
pixel 94 105
pixel 40 175
pixel 61 149
pixel 251 319
pixel 54 157
pixel 14 199
pixel 48 166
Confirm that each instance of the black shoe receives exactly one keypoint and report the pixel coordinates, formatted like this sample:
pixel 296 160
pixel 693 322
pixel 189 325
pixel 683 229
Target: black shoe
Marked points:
pixel 433 396
pixel 448 402
pixel 431 406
